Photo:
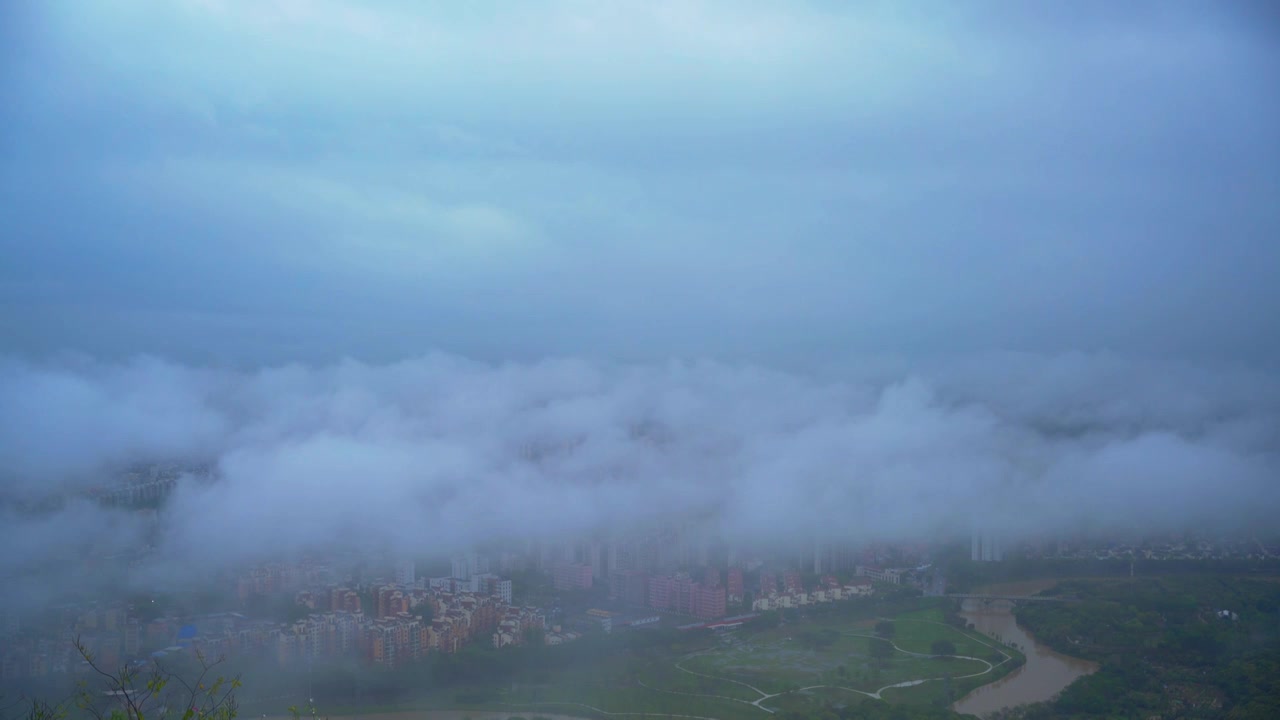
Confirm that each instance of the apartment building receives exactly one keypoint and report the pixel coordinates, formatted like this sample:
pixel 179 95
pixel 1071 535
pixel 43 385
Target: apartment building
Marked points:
pixel 733 584
pixel 572 576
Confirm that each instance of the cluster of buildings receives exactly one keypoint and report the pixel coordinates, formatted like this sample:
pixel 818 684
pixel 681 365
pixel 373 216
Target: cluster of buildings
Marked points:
pixel 1166 546
pixel 402 617
pixel 893 576
pixel 37 657
pixel 829 589
pixel 108 633
pixel 572 576
pixel 406 619
pixel 709 598
pixel 482 584
pixel 630 562
pixel 678 592
pixel 790 583
pixel 518 626
pixel 274 578
pixel 42 644
pixel 578 564
pixel 401 625
pixel 387 623
pixel 34 659
pixel 145 484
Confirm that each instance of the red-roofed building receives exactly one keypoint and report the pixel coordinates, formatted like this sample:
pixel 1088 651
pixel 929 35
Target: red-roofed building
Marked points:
pixel 768 584
pixel 791 581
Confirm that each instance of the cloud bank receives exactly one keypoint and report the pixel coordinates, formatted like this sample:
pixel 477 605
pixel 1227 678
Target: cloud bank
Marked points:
pixel 438 453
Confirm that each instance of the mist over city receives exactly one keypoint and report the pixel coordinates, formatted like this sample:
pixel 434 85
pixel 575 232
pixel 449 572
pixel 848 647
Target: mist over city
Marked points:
pixel 649 358
pixel 441 453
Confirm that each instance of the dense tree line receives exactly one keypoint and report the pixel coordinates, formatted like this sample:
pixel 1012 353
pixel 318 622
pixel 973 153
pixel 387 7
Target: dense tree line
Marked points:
pixel 1167 647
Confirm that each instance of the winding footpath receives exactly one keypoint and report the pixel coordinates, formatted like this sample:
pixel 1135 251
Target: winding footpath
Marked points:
pixel 876 694
pixel 910 683
pixel 768 696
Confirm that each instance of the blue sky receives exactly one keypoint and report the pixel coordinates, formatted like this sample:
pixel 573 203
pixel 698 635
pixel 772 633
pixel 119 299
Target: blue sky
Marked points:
pixel 259 182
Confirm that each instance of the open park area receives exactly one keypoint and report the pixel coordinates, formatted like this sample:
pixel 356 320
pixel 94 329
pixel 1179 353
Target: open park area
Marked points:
pixel 801 664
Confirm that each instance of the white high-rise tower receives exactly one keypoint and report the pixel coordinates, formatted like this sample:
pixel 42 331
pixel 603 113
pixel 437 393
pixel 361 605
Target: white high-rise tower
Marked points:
pixel 406 575
pixel 985 546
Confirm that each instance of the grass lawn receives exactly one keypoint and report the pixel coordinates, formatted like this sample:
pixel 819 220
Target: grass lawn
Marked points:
pixel 714 676
pixel 810 700
pixel 777 660
pixel 917 631
pixel 668 677
pixel 634 699
pixel 913 632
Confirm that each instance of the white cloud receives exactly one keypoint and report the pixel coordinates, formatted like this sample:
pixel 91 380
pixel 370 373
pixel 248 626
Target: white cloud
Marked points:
pixel 439 452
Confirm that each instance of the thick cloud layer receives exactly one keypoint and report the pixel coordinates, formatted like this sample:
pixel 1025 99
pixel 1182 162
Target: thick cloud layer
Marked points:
pixel 439 453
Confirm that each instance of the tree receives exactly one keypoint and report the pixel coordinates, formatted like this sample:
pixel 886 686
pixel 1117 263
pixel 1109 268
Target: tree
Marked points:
pixel 33 709
pixel 136 694
pixel 534 637
pixel 295 612
pixel 885 628
pixel 943 647
pixel 160 692
pixel 881 650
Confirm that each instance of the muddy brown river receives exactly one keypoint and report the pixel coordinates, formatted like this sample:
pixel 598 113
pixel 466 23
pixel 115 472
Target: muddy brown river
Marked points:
pixel 1044 675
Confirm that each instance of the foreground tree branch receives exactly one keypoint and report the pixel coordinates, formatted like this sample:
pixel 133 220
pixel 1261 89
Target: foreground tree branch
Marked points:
pixel 158 693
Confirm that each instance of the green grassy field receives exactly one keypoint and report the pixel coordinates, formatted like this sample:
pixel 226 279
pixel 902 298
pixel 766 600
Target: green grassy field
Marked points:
pixel 777 660
pixel 669 677
pixel 776 665
pixel 802 665
pixel 916 631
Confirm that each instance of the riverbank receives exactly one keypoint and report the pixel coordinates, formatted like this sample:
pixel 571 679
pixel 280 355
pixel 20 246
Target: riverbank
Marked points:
pixel 1046 671
pixel 1169 647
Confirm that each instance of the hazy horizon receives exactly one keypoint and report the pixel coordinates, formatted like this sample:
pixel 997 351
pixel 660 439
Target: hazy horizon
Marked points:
pixel 440 454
